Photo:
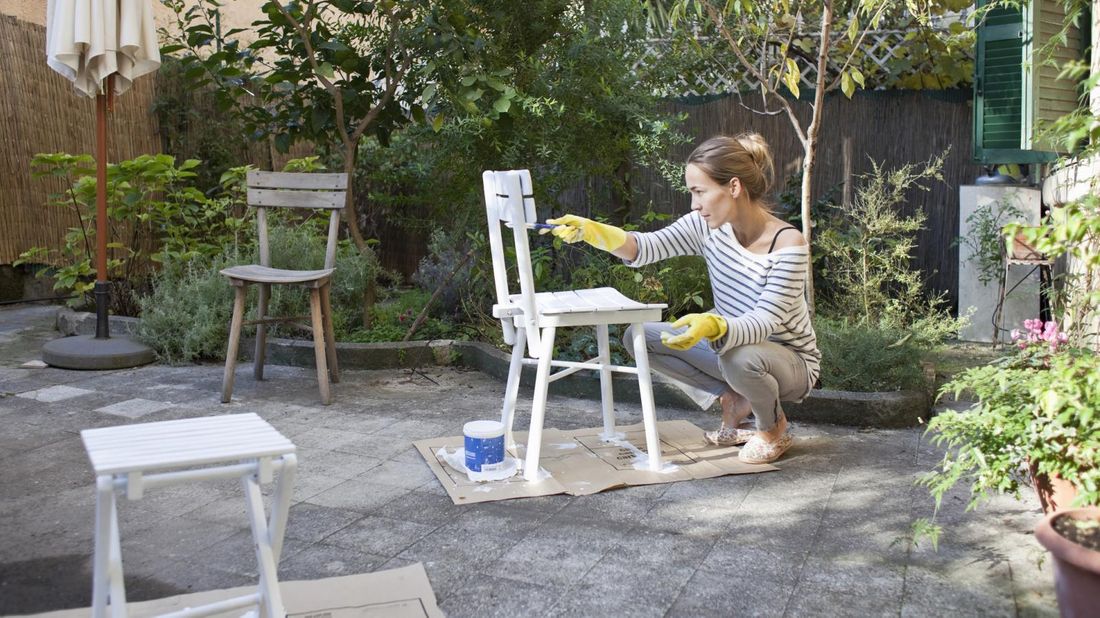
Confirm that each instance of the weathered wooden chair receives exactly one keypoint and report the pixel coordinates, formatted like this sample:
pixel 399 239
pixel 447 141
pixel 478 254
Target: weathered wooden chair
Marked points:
pixel 530 319
pixel 288 190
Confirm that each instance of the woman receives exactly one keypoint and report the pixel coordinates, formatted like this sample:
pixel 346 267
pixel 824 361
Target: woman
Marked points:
pixel 757 346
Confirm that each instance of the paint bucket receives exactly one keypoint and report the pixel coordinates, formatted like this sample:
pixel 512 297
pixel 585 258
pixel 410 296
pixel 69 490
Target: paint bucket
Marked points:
pixel 484 442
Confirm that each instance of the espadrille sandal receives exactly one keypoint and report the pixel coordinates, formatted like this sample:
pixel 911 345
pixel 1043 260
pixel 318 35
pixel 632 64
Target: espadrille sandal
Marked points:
pixel 728 436
pixel 759 451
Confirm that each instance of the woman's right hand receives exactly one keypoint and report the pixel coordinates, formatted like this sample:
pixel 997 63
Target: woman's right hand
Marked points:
pixel 571 229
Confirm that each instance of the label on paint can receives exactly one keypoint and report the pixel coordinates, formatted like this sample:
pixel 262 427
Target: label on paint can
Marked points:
pixel 484 445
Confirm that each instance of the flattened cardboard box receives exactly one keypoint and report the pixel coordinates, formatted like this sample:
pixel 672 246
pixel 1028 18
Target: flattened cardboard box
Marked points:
pixel 397 593
pixel 579 463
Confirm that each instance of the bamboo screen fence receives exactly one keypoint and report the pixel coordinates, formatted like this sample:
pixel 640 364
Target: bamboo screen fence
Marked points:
pixel 40 112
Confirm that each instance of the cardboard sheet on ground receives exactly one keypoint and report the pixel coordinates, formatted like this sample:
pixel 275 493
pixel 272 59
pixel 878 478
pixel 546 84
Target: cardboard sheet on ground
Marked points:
pixel 579 463
pixel 397 593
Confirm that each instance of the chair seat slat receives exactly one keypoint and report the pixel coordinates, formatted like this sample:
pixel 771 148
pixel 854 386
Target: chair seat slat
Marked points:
pixel 279 198
pixel 296 180
pixel 265 274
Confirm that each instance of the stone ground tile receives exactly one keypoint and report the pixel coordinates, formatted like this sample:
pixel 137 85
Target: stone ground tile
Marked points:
pixel 934 594
pixel 312 523
pixel 53 394
pixel 433 509
pixel 177 539
pixel 686 518
pixel 323 560
pixel 627 505
pixel 187 576
pixel 560 552
pixel 415 429
pixel 780 567
pixel 134 408
pixel 305 487
pixel 835 588
pixel 356 495
pixel 777 530
pixel 358 421
pixel 288 428
pixel 380 535
pixel 722 594
pixel 237 554
pixel 399 474
pixel 617 590
pixel 373 445
pixel 329 440
pixel 319 463
pixel 489 596
pixel 19 437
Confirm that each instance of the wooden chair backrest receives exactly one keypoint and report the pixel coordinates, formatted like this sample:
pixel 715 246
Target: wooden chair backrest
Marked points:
pixel 509 200
pixel 297 190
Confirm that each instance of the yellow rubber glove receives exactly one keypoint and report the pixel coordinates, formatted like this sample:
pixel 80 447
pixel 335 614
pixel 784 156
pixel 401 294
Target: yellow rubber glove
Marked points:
pixel 699 325
pixel 572 228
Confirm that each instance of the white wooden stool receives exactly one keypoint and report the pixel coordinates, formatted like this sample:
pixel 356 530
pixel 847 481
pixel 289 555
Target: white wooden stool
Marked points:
pixel 149 455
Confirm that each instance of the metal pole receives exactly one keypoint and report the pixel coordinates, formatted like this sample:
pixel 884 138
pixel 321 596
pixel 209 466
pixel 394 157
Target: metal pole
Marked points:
pixel 102 284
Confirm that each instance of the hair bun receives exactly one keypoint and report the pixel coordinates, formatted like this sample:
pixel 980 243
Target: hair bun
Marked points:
pixel 761 154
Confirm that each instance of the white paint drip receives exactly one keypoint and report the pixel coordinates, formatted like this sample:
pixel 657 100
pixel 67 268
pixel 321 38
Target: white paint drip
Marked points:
pixel 641 460
pixel 565 446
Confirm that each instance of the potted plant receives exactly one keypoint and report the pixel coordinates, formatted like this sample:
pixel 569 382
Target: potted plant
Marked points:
pixel 1073 538
pixel 1036 418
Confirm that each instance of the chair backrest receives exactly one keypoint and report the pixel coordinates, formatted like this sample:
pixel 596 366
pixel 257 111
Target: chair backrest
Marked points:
pixel 509 201
pixel 297 190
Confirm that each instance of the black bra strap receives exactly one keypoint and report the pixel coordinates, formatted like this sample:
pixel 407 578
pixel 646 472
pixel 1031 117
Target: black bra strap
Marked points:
pixel 776 237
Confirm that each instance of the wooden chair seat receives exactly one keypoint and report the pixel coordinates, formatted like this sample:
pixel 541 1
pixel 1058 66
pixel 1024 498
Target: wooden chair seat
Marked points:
pixel 254 273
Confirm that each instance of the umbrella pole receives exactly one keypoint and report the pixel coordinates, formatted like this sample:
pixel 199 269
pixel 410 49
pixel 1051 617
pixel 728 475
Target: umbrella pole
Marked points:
pixel 102 284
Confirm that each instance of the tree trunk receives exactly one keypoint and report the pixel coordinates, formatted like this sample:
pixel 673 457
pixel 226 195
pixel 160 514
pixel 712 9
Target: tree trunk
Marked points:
pixel 810 145
pixel 351 217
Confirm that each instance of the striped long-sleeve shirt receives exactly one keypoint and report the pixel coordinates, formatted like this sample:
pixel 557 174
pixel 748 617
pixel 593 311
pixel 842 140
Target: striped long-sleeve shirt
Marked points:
pixel 762 297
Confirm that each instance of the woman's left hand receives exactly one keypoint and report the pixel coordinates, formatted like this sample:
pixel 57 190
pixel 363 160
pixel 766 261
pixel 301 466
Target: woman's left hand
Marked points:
pixel 699 325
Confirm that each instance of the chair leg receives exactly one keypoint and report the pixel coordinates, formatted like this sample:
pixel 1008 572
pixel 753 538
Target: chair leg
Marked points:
pixel 271 603
pixel 234 343
pixel 319 345
pixel 330 335
pixel 511 390
pixel 261 332
pixel 645 388
pixel 101 584
pixel 114 567
pixel 280 505
pixel 607 400
pixel 538 405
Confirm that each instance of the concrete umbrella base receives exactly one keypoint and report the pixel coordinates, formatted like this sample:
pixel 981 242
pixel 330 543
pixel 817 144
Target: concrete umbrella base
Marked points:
pixel 87 352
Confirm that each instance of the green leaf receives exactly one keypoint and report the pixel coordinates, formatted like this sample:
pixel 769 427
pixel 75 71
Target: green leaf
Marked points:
pixel 325 70
pixel 502 105
pixel 847 86
pixel 437 123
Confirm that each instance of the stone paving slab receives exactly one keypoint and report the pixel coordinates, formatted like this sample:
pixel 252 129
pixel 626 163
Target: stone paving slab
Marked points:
pixel 824 536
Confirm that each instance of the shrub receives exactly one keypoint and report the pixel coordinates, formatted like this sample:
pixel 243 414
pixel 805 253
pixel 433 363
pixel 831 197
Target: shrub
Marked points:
pixel 391 318
pixel 857 356
pixel 186 317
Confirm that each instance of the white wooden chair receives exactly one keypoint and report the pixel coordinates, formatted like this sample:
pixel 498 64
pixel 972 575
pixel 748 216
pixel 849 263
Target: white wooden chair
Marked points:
pixel 530 320
pixel 135 458
pixel 288 190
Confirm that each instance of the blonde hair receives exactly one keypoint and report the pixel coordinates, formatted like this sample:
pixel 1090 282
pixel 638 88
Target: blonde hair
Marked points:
pixel 745 157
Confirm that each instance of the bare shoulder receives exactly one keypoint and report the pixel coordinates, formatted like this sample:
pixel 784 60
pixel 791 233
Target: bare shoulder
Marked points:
pixel 788 236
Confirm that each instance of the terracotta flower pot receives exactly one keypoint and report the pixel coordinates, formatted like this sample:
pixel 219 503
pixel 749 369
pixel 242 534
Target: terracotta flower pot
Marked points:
pixel 1055 492
pixel 1076 568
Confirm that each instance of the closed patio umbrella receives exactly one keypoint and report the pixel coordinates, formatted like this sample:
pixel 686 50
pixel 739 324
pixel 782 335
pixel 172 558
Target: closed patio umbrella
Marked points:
pixel 101 46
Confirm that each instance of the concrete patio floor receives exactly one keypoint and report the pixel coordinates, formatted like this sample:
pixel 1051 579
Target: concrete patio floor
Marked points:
pixel 824 536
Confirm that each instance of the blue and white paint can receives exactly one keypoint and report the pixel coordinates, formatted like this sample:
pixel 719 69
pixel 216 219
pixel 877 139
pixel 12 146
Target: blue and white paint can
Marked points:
pixel 484 443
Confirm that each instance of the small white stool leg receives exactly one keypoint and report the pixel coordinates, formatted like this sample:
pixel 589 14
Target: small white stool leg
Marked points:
pixel 271 602
pixel 607 400
pixel 114 566
pixel 511 389
pixel 101 585
pixel 280 507
pixel 645 388
pixel 538 406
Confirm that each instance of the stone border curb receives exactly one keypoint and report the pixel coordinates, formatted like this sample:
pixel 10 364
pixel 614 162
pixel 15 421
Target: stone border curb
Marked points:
pixel 885 410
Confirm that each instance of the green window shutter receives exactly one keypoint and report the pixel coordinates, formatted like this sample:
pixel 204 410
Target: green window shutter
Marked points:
pixel 1047 97
pixel 1016 91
